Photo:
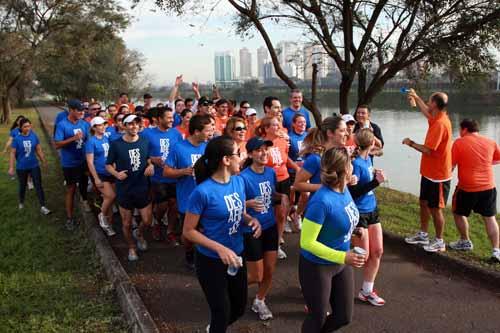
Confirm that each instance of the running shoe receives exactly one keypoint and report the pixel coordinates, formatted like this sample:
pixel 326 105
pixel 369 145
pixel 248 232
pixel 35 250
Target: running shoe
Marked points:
pixel 21 206
pixel 208 328
pixel 30 184
pixel 86 206
pixel 172 239
pixel 462 245
pixel 288 227
pixel 297 223
pixel 44 210
pixel 435 246
pixel 70 224
pixel 419 238
pixel 281 253
pixel 142 245
pixel 164 220
pixel 132 255
pixel 103 223
pixel 260 307
pixel 135 224
pixel 371 298
pixel 495 256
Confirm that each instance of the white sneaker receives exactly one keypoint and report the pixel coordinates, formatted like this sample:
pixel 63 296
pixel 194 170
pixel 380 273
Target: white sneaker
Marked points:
pixel 260 307
pixel 435 246
pixel 132 255
pixel 141 242
pixel 461 245
pixel 21 206
pixel 288 227
pixel 419 238
pixel 86 206
pixel 495 256
pixel 208 328
pixel 103 223
pixel 281 253
pixel 30 184
pixel 297 224
pixel 164 220
pixel 44 210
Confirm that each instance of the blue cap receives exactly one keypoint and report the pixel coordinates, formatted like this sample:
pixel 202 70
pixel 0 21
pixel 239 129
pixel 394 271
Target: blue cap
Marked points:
pixel 256 143
pixel 75 104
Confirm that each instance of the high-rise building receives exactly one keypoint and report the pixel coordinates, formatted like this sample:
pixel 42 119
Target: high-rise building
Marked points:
pixel 290 58
pixel 315 54
pixel 262 58
pixel 245 64
pixel 224 68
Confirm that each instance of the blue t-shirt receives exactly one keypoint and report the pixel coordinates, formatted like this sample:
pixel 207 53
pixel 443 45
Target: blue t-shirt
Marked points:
pixel 288 114
pixel 363 169
pixel 25 146
pixel 338 216
pixel 100 149
pixel 312 164
pixel 177 119
pixel 15 132
pixel 130 156
pixel 73 154
pixel 113 134
pixel 61 116
pixel 260 184
pixel 160 145
pixel 221 208
pixel 184 155
pixel 295 147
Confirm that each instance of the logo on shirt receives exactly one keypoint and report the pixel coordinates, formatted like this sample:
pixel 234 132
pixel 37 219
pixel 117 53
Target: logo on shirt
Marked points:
pixel 27 148
pixel 299 145
pixel 353 214
pixel 194 158
pixel 234 206
pixel 79 143
pixel 266 191
pixel 370 173
pixel 105 147
pixel 135 159
pixel 276 155
pixel 164 147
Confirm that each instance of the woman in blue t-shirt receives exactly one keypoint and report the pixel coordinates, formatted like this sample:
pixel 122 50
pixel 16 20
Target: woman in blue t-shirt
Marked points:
pixel 25 149
pixel 96 152
pixel 213 220
pixel 325 271
pixel 15 130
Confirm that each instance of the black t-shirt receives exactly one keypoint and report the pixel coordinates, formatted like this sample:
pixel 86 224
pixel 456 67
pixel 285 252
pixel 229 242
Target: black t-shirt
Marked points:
pixel 130 156
pixel 376 131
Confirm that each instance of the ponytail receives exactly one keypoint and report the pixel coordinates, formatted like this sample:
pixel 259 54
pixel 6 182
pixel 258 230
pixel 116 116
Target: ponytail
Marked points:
pixel 209 162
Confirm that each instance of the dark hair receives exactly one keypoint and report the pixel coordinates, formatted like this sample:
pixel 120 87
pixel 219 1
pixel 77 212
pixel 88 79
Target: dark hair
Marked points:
pixel 243 103
pixel 99 112
pixel 188 100
pixel 268 102
pixel 185 112
pixel 152 113
pixel 315 140
pixel 198 123
pixel 215 151
pixel 162 111
pixel 159 105
pixel 471 125
pixel 177 101
pixel 439 100
pixel 233 102
pixel 15 123
pixel 118 115
pixel 23 121
pixel 147 95
pixel 296 116
pixel 364 106
pixel 221 101
pixel 111 105
pixel 123 94
pixel 123 107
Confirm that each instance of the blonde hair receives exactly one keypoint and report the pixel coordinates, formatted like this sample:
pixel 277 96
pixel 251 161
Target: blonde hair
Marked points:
pixel 334 164
pixel 264 124
pixel 231 124
pixel 364 138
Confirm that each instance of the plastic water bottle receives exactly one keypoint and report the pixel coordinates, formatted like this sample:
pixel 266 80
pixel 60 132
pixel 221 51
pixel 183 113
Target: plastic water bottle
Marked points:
pixel 233 270
pixel 405 90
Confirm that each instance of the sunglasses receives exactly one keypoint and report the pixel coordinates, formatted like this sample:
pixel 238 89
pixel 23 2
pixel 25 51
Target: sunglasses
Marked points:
pixel 240 128
pixel 95 109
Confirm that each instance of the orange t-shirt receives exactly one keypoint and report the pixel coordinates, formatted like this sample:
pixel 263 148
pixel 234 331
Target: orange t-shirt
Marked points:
pixel 184 132
pixel 350 144
pixel 278 156
pixel 220 124
pixel 243 150
pixel 437 165
pixel 474 155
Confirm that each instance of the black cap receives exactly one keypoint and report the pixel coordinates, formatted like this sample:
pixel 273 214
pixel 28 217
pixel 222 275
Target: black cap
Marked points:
pixel 205 101
pixel 256 143
pixel 75 104
pixel 147 95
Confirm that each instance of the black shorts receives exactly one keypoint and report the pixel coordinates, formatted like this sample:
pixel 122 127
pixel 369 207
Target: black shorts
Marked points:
pixel 255 247
pixel 366 219
pixel 163 191
pixel 483 202
pixel 282 187
pixel 436 194
pixel 131 201
pixel 75 175
pixel 107 178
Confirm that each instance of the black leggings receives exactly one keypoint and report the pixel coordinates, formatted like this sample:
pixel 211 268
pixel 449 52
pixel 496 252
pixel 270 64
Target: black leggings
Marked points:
pixel 36 175
pixel 325 286
pixel 226 295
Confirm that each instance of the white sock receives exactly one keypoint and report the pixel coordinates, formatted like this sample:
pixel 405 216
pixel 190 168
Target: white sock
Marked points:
pixel 424 233
pixel 367 287
pixel 439 240
pixel 496 249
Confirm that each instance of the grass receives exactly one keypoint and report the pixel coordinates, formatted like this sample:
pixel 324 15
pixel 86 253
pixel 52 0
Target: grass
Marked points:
pixel 50 280
pixel 400 215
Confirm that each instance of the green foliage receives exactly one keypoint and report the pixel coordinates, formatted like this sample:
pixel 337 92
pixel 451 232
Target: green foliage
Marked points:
pixel 50 281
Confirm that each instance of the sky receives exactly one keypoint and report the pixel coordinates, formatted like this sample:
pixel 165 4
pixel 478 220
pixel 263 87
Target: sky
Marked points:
pixel 185 45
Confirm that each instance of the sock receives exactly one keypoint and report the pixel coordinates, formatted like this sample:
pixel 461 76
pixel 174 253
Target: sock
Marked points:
pixel 496 249
pixel 439 240
pixel 423 233
pixel 367 287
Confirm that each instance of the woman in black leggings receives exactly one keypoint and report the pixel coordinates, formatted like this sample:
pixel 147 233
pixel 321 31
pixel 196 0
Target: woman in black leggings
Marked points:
pixel 325 271
pixel 213 220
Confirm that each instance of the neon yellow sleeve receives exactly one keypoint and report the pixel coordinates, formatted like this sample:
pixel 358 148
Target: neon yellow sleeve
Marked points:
pixel 308 241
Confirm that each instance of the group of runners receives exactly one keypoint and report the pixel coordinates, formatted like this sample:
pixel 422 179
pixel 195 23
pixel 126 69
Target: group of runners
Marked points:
pixel 229 185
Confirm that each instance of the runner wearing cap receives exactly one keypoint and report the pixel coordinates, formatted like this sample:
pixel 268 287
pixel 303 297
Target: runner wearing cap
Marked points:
pixel 351 141
pixel 96 150
pixel 70 136
pixel 260 253
pixel 25 148
pixel 295 108
pixel 475 155
pixel 205 105
pixel 128 161
pixel 251 119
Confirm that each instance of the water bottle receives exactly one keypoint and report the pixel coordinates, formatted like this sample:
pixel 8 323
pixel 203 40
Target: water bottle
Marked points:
pixel 405 90
pixel 233 270
pixel 260 201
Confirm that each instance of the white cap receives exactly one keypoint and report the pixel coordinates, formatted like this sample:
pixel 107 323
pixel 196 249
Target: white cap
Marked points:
pixel 97 121
pixel 250 112
pixel 129 118
pixel 347 118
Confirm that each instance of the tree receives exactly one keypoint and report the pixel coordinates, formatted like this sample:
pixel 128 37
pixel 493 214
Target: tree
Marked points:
pixel 364 36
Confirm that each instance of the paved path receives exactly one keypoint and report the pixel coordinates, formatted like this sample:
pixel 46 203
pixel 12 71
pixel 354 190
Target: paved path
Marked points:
pixel 417 300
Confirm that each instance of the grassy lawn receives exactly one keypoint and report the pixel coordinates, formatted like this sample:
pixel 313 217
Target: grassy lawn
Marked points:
pixel 50 280
pixel 400 214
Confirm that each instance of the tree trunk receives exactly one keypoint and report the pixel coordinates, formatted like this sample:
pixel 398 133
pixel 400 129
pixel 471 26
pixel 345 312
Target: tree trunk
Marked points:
pixel 6 109
pixel 361 85
pixel 314 89
pixel 345 87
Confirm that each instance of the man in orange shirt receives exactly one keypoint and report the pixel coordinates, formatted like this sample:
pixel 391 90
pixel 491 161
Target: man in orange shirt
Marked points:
pixel 222 109
pixel 475 155
pixel 435 168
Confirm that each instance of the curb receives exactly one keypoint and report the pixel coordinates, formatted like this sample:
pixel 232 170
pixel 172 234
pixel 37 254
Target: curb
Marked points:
pixel 444 263
pixel 136 314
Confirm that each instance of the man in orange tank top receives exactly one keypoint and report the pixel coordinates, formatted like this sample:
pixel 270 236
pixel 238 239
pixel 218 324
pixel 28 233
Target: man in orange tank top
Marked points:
pixel 475 155
pixel 435 169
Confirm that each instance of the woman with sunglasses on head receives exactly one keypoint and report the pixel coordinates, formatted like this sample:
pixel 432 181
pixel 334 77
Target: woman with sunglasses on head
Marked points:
pixel 325 271
pixel 237 130
pixel 214 218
